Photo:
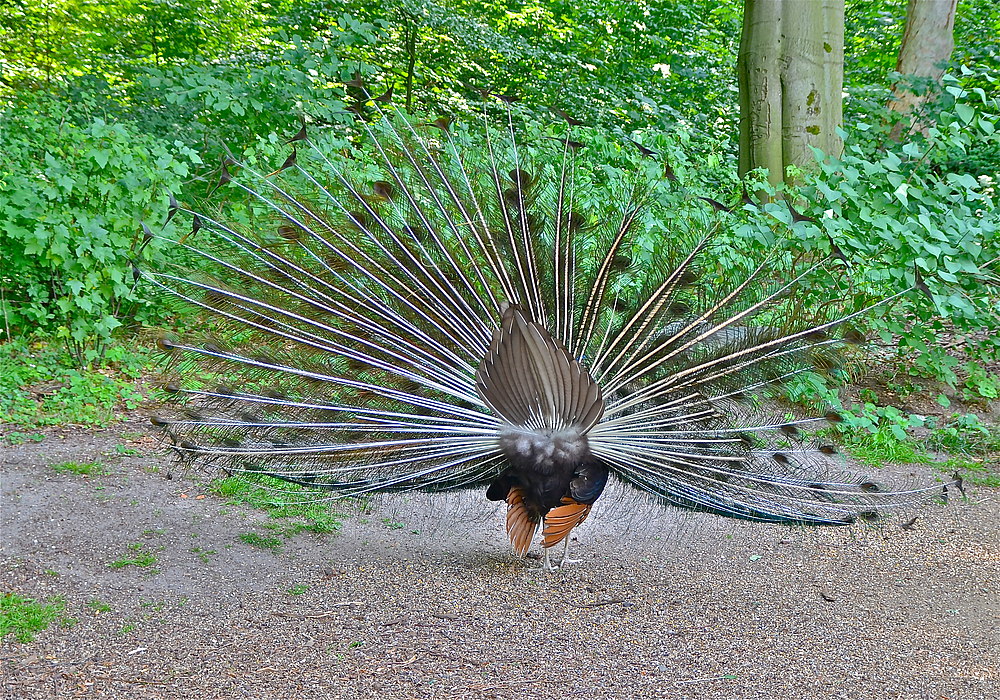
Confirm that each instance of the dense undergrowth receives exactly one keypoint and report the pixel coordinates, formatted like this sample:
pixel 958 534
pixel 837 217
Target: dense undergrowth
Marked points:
pixel 42 384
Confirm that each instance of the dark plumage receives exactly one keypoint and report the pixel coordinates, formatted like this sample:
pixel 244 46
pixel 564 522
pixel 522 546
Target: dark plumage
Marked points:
pixel 453 315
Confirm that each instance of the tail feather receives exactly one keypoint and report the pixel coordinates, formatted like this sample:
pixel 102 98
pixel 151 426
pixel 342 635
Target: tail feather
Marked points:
pixel 366 294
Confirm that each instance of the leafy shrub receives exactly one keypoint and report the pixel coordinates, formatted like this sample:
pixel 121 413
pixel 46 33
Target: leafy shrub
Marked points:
pixel 41 385
pixel 903 223
pixel 71 199
pixel 965 434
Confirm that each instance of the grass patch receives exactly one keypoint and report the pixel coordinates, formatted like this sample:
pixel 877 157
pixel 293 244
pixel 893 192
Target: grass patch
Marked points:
pixel 966 435
pixel 22 617
pixel 81 468
pixel 42 385
pixel 973 448
pixel 971 470
pixel 392 524
pixel 301 516
pixel 139 557
pixel 98 606
pixel 880 448
pixel 298 589
pixel 203 554
pixel 255 540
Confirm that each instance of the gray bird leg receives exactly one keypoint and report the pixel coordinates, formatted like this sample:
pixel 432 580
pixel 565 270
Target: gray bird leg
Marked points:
pixel 565 554
pixel 547 563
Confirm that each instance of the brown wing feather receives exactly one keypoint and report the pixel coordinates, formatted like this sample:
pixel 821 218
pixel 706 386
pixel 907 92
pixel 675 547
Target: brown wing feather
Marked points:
pixel 561 520
pixel 521 524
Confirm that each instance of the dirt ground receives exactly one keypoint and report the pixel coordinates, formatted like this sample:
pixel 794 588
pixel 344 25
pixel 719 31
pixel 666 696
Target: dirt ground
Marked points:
pixel 420 598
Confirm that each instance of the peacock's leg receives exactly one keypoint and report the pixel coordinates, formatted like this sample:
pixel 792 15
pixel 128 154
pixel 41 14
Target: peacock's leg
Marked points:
pixel 565 555
pixel 547 562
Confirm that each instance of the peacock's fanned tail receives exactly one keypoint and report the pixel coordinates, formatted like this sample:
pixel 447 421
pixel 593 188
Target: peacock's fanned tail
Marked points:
pixel 354 325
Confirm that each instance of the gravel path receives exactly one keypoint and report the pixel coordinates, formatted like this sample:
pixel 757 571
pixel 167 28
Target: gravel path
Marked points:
pixel 404 602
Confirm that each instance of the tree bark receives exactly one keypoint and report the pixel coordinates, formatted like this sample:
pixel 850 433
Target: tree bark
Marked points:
pixel 759 72
pixel 833 76
pixel 928 40
pixel 790 70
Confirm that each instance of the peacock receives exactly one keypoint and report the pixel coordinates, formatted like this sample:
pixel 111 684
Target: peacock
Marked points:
pixel 433 306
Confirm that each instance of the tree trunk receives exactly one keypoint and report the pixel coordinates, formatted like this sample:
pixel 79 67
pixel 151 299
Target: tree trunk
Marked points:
pixel 759 71
pixel 790 68
pixel 833 76
pixel 928 40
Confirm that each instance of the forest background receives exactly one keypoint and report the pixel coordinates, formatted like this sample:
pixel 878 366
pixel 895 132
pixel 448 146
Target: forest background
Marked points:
pixel 107 108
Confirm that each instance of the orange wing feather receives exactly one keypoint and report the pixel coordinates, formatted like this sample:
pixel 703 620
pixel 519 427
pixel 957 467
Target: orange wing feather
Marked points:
pixel 560 521
pixel 521 525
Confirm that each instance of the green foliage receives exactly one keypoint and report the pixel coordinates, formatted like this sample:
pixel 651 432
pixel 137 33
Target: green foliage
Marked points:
pixel 873 33
pixel 255 540
pixel 23 617
pixel 979 383
pixel 881 419
pixel 169 31
pixel 254 94
pixel 288 503
pixel 98 606
pixel 965 434
pixel 872 36
pixel 927 226
pixel 41 385
pixel 878 435
pixel 204 555
pixel 980 473
pixel 45 43
pixel 110 106
pixel 17 437
pixel 622 63
pixel 229 73
pixel 905 223
pixel 883 446
pixel 41 42
pixel 71 198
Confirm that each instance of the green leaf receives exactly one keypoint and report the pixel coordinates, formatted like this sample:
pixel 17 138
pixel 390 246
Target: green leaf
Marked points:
pixel 965 112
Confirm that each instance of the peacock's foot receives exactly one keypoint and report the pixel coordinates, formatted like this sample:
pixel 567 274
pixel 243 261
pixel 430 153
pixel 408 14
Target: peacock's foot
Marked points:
pixel 547 564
